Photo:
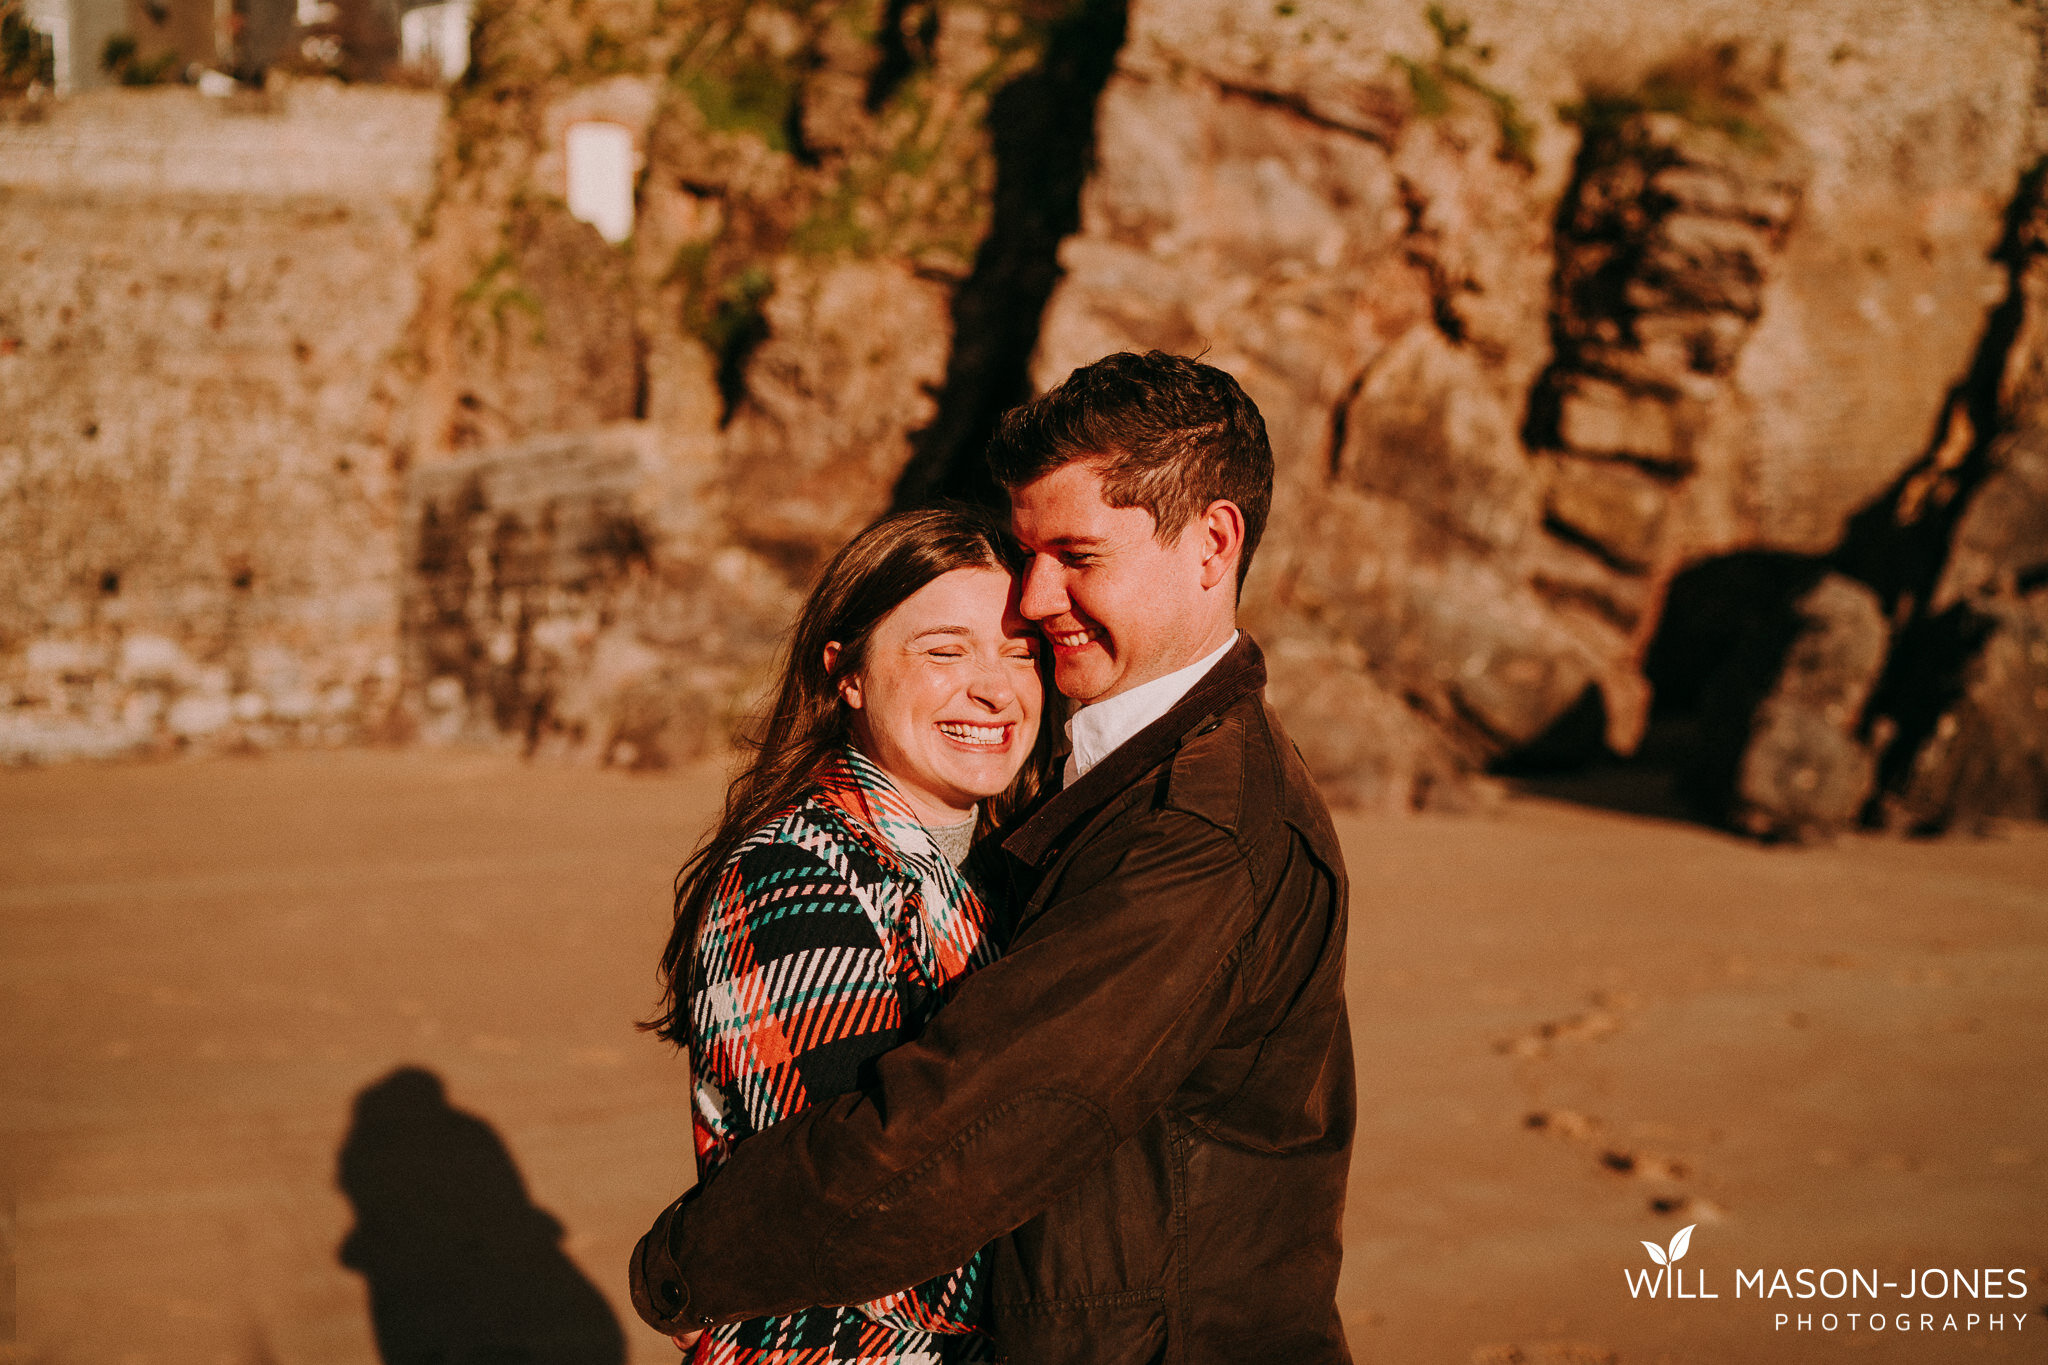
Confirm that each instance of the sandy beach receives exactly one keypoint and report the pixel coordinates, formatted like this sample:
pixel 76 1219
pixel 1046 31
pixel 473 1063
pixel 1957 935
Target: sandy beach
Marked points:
pixel 1577 1030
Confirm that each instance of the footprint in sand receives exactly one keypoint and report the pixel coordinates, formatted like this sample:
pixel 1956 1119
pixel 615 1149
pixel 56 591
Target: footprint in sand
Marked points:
pixel 1603 1019
pixel 1546 1353
pixel 1585 1131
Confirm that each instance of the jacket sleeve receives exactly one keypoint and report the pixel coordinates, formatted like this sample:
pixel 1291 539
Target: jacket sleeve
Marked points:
pixel 1027 1079
pixel 794 990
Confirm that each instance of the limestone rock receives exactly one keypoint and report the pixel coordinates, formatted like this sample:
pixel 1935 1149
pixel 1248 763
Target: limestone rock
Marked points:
pixel 1972 695
pixel 1596 418
pixel 1610 505
pixel 1803 770
pixel 1487 512
pixel 814 182
pixel 846 372
pixel 1364 746
pixel 1961 546
pixel 1425 430
pixel 1987 754
pixel 2001 541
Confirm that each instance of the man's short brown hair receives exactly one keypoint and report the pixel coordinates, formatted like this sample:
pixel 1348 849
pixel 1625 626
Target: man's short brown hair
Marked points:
pixel 1169 434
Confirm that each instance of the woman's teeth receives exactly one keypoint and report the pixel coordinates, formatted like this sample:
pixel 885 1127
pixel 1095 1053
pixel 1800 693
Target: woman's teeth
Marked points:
pixel 991 735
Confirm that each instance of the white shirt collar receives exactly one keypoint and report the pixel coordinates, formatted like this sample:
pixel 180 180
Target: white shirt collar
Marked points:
pixel 1096 731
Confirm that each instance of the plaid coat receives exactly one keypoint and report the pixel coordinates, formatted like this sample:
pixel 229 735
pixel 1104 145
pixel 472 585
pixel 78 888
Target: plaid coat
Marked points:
pixel 836 930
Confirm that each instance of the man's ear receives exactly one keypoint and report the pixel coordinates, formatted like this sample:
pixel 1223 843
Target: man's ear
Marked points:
pixel 1222 532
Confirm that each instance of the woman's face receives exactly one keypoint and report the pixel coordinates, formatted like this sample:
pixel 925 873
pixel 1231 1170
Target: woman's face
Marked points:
pixel 947 701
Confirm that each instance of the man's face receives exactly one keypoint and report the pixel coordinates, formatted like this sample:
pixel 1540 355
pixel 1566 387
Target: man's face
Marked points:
pixel 1118 608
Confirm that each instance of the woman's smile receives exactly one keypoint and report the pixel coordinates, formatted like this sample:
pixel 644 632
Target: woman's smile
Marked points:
pixel 976 736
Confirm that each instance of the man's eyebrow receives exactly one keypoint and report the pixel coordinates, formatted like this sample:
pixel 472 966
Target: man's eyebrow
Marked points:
pixel 1071 542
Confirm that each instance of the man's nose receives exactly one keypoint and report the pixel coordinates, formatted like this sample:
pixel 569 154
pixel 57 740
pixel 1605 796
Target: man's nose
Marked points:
pixel 1045 591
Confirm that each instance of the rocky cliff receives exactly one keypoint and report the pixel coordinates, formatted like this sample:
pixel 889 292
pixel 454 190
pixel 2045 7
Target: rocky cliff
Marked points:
pixel 1636 375
pixel 1558 312
pixel 845 223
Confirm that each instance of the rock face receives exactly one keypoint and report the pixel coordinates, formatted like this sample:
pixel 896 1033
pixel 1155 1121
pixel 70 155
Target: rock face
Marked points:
pixel 1969 684
pixel 1664 242
pixel 1988 754
pixel 1525 365
pixel 1800 765
pixel 816 182
pixel 1985 757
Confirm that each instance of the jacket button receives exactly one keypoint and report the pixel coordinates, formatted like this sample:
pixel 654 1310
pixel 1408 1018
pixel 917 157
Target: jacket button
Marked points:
pixel 671 1295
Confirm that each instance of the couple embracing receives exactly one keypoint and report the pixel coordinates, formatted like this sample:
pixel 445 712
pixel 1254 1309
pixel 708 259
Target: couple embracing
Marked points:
pixel 1053 1034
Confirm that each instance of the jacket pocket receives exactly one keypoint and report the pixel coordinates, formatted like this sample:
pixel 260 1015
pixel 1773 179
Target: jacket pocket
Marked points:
pixel 1103 1264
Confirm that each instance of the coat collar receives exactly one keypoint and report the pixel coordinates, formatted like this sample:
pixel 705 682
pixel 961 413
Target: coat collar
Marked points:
pixel 1238 674
pixel 851 782
pixel 946 929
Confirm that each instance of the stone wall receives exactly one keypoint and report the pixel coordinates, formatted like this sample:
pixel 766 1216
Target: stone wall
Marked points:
pixel 544 605
pixel 201 308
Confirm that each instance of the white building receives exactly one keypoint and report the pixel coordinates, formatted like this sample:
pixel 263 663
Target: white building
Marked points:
pixel 436 37
pixel 78 31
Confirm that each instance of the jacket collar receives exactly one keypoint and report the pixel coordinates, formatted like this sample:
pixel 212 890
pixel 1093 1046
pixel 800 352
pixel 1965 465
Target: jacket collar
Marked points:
pixel 947 930
pixel 1238 674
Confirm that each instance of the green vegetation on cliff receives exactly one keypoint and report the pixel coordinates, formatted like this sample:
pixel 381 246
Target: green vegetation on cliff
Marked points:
pixel 1712 88
pixel 1454 66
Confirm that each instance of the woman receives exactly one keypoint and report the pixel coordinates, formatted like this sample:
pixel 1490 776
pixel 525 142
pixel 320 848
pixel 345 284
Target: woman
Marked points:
pixel 826 917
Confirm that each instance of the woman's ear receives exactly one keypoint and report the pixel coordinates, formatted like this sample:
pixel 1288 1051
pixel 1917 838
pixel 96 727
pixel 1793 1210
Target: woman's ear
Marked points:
pixel 849 688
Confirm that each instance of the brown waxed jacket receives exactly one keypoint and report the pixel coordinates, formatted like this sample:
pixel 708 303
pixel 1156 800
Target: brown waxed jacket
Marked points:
pixel 1146 1104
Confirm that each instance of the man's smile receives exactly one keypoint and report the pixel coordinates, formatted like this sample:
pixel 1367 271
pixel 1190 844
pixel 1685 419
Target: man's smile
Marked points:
pixel 1074 639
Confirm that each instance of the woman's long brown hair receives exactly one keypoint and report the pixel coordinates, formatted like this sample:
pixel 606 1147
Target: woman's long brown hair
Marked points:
pixel 873 575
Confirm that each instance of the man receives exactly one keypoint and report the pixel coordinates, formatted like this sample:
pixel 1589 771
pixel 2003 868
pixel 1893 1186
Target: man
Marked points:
pixel 1146 1104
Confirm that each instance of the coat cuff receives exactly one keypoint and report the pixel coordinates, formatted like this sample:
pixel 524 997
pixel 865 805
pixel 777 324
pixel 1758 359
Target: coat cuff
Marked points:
pixel 661 1295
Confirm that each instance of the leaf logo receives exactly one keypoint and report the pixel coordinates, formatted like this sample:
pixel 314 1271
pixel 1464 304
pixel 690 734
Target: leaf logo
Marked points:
pixel 1679 1242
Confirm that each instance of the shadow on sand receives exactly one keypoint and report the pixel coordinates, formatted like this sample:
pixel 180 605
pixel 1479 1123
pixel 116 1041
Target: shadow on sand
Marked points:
pixel 463 1268
pixel 1647 790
